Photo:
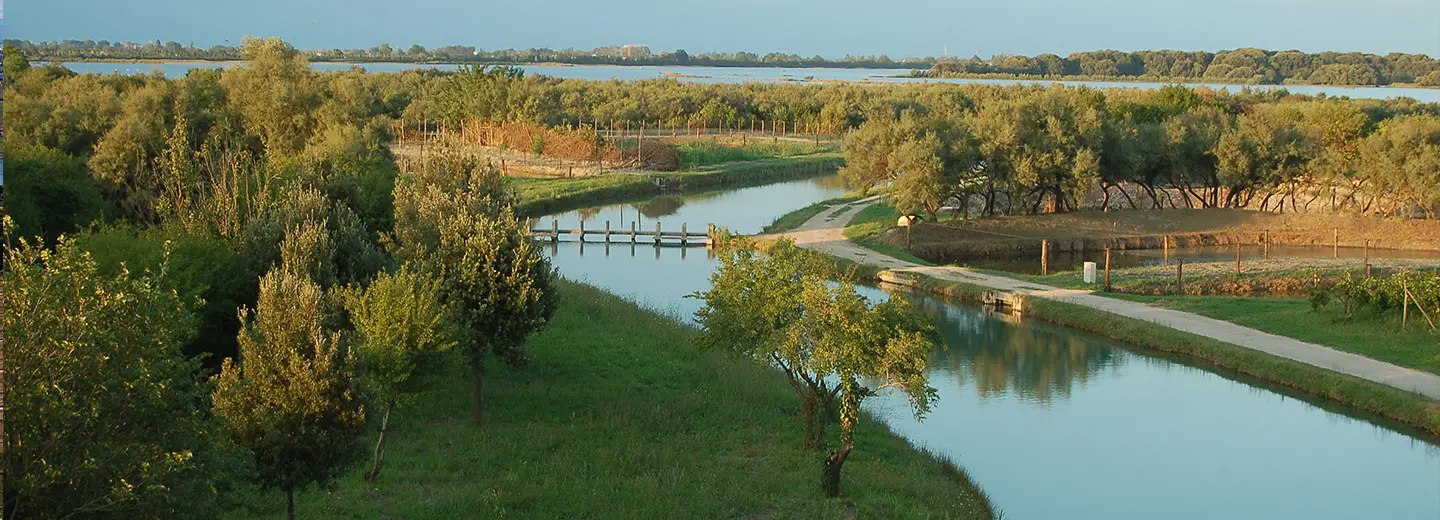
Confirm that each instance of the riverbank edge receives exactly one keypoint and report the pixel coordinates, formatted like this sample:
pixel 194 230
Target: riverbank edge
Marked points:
pixel 737 174
pixel 1403 407
pixel 315 59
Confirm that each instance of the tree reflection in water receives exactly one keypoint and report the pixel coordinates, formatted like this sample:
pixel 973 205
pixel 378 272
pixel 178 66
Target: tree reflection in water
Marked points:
pixel 1037 363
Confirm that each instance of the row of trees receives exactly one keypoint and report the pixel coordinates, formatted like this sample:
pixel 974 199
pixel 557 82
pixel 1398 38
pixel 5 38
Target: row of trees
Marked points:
pixel 609 55
pixel 1056 149
pixel 1246 65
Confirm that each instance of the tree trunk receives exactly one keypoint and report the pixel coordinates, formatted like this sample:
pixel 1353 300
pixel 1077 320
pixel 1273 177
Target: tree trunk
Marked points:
pixel 477 407
pixel 830 475
pixel 380 444
pixel 812 423
pixel 1105 199
pixel 290 504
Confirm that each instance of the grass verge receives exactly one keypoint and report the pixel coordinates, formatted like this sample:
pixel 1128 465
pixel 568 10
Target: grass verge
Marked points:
pixel 620 416
pixel 539 196
pixel 696 154
pixel 867 226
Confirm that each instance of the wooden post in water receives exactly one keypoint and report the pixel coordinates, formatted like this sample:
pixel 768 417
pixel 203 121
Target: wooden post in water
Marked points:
pixel 710 234
pixel 607 232
pixel 684 237
pixel 1107 269
pixel 632 233
pixel 657 233
pixel 1180 276
pixel 1044 258
pixel 555 231
pixel 582 230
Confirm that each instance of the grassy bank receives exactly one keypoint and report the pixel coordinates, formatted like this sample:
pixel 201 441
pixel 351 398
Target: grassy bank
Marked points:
pixel 539 196
pixel 1416 347
pixel 620 416
pixel 866 228
pixel 1279 276
pixel 1404 407
pixel 701 153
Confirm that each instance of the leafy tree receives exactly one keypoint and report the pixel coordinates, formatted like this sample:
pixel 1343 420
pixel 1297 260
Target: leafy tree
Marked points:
pixel 15 62
pixel 50 193
pixel 782 309
pixel 290 396
pixel 454 221
pixel 403 326
pixel 104 414
pixel 274 94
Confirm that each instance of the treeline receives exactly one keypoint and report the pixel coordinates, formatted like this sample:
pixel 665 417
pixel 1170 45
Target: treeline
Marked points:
pixel 1029 150
pixel 71 50
pixel 1244 66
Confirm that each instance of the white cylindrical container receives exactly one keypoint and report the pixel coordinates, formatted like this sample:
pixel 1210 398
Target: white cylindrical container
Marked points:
pixel 1089 272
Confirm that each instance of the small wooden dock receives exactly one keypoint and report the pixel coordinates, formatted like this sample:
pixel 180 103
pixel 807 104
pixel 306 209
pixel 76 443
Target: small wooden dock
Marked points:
pixel 684 237
pixel 1004 301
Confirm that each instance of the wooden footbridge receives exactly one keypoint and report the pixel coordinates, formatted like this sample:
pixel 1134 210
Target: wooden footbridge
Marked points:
pixel 681 238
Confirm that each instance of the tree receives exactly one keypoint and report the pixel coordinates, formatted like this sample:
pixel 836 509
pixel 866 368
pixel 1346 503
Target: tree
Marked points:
pixel 403 326
pixel 782 309
pixel 50 193
pixel 15 62
pixel 453 220
pixel 274 94
pixel 104 413
pixel 290 396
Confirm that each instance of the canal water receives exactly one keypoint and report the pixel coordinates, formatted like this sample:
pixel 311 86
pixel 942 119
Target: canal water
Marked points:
pixel 1056 423
pixel 756 74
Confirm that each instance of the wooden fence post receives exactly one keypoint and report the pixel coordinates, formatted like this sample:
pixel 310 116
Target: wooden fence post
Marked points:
pixel 582 230
pixel 1166 241
pixel 1107 269
pixel 555 231
pixel 684 235
pixel 607 232
pixel 1044 258
pixel 1237 257
pixel 1180 276
pixel 1367 258
pixel 657 233
pixel 1336 249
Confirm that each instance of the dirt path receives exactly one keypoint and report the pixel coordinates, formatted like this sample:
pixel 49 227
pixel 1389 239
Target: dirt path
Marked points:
pixel 824 232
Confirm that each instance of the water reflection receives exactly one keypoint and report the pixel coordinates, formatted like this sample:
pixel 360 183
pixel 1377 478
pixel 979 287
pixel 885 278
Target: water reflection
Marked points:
pixel 998 356
pixel 660 206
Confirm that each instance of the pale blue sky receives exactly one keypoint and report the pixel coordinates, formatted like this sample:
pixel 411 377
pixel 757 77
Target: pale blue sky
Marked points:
pixel 807 27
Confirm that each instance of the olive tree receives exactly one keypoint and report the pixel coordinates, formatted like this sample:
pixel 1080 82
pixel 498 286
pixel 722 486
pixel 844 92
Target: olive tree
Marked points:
pixel 291 395
pixel 782 308
pixel 403 327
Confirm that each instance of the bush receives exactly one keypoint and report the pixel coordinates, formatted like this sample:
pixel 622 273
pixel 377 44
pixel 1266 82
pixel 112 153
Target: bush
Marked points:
pixel 50 193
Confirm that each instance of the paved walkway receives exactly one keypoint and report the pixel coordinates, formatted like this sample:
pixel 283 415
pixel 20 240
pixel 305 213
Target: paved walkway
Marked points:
pixel 824 233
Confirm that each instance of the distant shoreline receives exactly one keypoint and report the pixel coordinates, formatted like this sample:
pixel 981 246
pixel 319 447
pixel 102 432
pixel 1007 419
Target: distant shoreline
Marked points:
pixel 756 65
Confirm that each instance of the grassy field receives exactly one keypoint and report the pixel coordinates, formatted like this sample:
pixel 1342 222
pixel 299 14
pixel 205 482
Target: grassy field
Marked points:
pixel 540 195
pixel 869 224
pixel 696 154
pixel 1279 276
pixel 1378 337
pixel 620 416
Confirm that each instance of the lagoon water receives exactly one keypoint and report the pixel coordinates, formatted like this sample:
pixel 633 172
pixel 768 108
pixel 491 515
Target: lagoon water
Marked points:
pixel 1057 423
pixel 754 74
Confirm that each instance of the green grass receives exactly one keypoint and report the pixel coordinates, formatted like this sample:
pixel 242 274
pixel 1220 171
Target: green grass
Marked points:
pixel 696 154
pixel 620 416
pixel 1417 347
pixel 1407 408
pixel 539 196
pixel 1280 277
pixel 865 229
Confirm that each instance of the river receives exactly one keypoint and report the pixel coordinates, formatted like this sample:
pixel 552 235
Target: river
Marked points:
pixel 755 74
pixel 1056 423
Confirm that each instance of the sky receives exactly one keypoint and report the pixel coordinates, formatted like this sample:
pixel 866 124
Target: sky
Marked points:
pixel 807 27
